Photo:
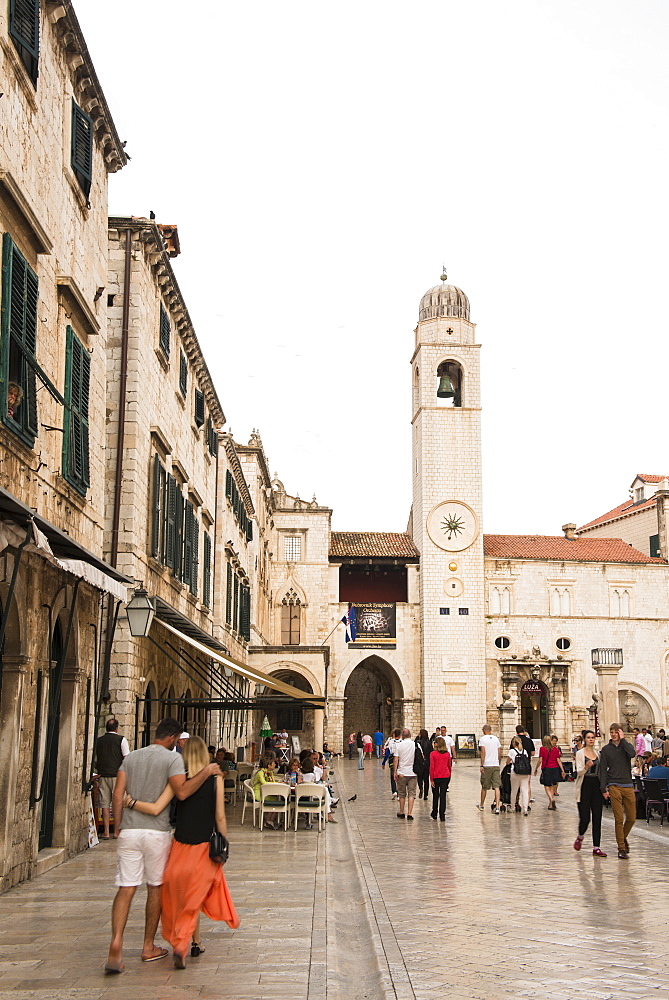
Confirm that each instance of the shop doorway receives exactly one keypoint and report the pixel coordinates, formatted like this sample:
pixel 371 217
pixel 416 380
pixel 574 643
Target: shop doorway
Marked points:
pixel 52 739
pixel 370 692
pixel 534 708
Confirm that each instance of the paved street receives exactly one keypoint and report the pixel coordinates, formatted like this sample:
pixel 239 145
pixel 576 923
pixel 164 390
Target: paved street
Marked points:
pixel 479 906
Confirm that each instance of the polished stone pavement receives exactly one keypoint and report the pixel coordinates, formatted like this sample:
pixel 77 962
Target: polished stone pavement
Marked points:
pixel 375 907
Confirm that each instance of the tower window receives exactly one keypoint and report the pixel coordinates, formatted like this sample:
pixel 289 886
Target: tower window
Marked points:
pixel 449 384
pixel 502 642
pixel 292 548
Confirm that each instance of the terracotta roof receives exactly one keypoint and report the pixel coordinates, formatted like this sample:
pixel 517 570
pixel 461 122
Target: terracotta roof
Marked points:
pixel 628 507
pixel 372 545
pixel 649 479
pixel 563 549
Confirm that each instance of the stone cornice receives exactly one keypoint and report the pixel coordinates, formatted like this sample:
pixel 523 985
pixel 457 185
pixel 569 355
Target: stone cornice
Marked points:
pixel 87 89
pixel 237 471
pixel 158 257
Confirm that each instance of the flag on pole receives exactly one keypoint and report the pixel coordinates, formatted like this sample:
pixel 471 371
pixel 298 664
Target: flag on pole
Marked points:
pixel 350 623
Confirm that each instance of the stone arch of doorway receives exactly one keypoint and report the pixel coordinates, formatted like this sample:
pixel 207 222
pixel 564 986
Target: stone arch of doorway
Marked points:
pixel 639 699
pixel 373 695
pixel 299 723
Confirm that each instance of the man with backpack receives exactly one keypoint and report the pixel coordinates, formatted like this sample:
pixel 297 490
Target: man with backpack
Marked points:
pixel 529 748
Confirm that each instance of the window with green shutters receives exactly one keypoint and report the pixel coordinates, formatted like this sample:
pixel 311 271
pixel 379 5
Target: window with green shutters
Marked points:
pixel 173 531
pixel 82 148
pixel 245 612
pixel 654 542
pixel 158 509
pixel 228 594
pixel 199 408
pixel 238 508
pixel 183 374
pixel 212 438
pixel 24 32
pixel 75 421
pixel 206 569
pixel 191 533
pixel 165 331
pixel 235 606
pixel 18 397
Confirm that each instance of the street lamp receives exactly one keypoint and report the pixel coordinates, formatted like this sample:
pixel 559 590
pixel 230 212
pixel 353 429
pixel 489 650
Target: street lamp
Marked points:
pixel 140 613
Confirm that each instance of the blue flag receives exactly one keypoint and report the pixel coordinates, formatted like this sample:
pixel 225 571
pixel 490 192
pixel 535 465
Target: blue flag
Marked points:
pixel 350 623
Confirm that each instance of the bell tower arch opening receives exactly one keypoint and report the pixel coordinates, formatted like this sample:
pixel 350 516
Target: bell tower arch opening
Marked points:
pixel 370 693
pixel 450 382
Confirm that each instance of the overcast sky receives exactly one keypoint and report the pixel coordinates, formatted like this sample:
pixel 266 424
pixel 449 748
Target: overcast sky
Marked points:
pixel 322 161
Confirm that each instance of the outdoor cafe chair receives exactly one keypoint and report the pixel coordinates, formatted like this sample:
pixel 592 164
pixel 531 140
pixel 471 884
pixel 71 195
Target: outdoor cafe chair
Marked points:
pixel 249 797
pixel 656 797
pixel 230 783
pixel 310 799
pixel 275 790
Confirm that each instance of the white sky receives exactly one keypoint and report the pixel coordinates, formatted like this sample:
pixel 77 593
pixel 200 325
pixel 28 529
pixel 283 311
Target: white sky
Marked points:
pixel 321 161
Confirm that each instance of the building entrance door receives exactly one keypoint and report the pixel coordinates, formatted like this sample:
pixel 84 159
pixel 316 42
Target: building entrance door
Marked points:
pixel 52 735
pixel 534 708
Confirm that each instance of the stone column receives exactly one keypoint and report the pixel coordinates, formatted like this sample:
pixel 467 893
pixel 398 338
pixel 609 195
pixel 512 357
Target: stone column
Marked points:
pixel 334 729
pixel 319 730
pixel 609 710
pixel 68 811
pixel 13 679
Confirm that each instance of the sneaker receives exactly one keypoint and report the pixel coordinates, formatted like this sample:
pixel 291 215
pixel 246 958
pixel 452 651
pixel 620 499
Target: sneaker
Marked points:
pixel 578 842
pixel 433 816
pixel 531 800
pixel 400 815
pixel 623 855
pixel 442 819
pixel 496 812
pixel 598 852
pixel 480 808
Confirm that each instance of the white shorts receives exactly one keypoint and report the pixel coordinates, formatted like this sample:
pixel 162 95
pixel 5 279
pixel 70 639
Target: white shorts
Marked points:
pixel 142 856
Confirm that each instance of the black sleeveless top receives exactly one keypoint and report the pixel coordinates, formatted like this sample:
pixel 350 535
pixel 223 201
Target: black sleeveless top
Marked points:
pixel 196 815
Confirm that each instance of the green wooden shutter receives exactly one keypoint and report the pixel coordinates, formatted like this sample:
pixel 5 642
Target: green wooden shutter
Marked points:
pixel 20 291
pixel 82 147
pixel 183 374
pixel 228 594
pixel 157 513
pixel 164 334
pixel 178 533
pixel 170 520
pixel 195 558
pixel 206 570
pixel 199 408
pixel 75 424
pixel 228 484
pixel 235 608
pixel 24 32
pixel 187 567
pixel 249 530
pixel 212 438
pixel 245 613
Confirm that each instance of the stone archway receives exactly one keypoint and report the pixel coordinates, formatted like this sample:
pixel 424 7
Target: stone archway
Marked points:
pixel 372 691
pixel 297 721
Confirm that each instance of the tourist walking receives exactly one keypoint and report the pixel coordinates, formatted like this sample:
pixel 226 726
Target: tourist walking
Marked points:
pixel 360 745
pixel 389 758
pixel 405 751
pixel 378 742
pixel 351 745
pixel 110 749
pixel 589 798
pixel 144 842
pixel 490 750
pixel 367 746
pixel 424 748
pixel 615 781
pixel 551 768
pixel 529 748
pixel 192 881
pixel 440 775
pixel 521 771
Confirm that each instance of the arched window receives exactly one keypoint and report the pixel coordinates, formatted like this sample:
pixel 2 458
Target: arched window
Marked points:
pixel 625 604
pixel 291 619
pixel 560 601
pixel 495 602
pixel 450 384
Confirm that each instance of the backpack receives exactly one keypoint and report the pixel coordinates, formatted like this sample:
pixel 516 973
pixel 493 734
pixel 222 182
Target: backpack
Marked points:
pixel 418 760
pixel 521 763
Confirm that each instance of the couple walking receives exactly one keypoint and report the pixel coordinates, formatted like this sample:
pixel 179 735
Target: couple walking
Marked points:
pixel 181 878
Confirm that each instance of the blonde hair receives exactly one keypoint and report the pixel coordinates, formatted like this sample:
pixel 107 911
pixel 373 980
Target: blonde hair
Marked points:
pixel 547 742
pixel 517 744
pixel 440 743
pixel 195 755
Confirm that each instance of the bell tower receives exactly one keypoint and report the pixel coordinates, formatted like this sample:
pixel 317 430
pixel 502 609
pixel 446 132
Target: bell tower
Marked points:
pixel 446 513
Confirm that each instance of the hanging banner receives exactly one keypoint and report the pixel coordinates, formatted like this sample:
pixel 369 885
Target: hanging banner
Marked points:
pixel 376 623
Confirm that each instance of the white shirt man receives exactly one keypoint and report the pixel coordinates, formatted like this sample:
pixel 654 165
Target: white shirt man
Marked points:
pixel 450 743
pixel 490 750
pixel 404 752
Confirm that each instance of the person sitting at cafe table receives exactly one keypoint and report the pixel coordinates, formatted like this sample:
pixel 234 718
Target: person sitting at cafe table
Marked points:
pixel 263 775
pixel 312 772
pixel 293 775
pixel 660 770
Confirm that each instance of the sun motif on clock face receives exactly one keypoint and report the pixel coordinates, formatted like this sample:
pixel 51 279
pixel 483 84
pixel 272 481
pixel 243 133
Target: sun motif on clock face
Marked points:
pixel 452 525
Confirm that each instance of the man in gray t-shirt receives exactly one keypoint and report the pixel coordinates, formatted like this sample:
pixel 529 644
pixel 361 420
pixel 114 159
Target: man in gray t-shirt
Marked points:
pixel 144 842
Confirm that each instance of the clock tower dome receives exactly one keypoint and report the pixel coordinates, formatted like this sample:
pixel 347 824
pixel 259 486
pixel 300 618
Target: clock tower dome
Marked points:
pixel 446 512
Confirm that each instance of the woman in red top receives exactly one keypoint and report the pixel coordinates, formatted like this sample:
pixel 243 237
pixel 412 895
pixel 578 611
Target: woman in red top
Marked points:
pixel 440 776
pixel 551 768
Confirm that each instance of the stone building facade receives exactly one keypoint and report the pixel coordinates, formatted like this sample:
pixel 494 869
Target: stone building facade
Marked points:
pixel 58 145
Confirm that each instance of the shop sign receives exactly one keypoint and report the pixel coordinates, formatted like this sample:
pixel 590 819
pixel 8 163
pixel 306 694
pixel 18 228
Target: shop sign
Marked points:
pixel 532 688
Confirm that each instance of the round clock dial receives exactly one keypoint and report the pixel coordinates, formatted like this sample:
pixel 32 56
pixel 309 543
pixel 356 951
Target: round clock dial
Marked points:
pixel 452 526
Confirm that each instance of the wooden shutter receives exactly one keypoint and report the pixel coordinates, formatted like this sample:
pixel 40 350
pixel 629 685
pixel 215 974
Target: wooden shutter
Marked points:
pixel 157 513
pixel 179 533
pixel 195 557
pixel 199 408
pixel 164 334
pixel 249 530
pixel 228 594
pixel 75 424
pixel 235 608
pixel 24 32
pixel 245 613
pixel 189 518
pixel 183 374
pixel 206 570
pixel 82 147
pixel 170 521
pixel 20 291
pixel 228 484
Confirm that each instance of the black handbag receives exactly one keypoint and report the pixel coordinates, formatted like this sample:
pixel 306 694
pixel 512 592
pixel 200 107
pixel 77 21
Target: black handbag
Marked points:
pixel 219 848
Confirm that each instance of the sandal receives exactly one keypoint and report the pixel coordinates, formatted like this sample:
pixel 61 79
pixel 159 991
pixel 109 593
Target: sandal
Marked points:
pixel 196 948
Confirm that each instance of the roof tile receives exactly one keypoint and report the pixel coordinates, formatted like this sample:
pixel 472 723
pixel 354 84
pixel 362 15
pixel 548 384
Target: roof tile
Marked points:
pixel 628 507
pixel 564 549
pixel 372 544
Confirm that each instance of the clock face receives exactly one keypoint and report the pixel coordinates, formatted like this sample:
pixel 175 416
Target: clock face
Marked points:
pixel 452 526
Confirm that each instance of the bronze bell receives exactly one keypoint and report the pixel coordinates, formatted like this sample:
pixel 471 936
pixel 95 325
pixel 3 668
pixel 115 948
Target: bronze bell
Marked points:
pixel 445 390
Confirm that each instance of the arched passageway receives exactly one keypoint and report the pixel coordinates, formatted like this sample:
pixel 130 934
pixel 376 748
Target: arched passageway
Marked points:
pixel 370 692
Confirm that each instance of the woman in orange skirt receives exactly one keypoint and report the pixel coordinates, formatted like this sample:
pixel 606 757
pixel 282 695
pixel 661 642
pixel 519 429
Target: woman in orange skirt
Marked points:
pixel 192 881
